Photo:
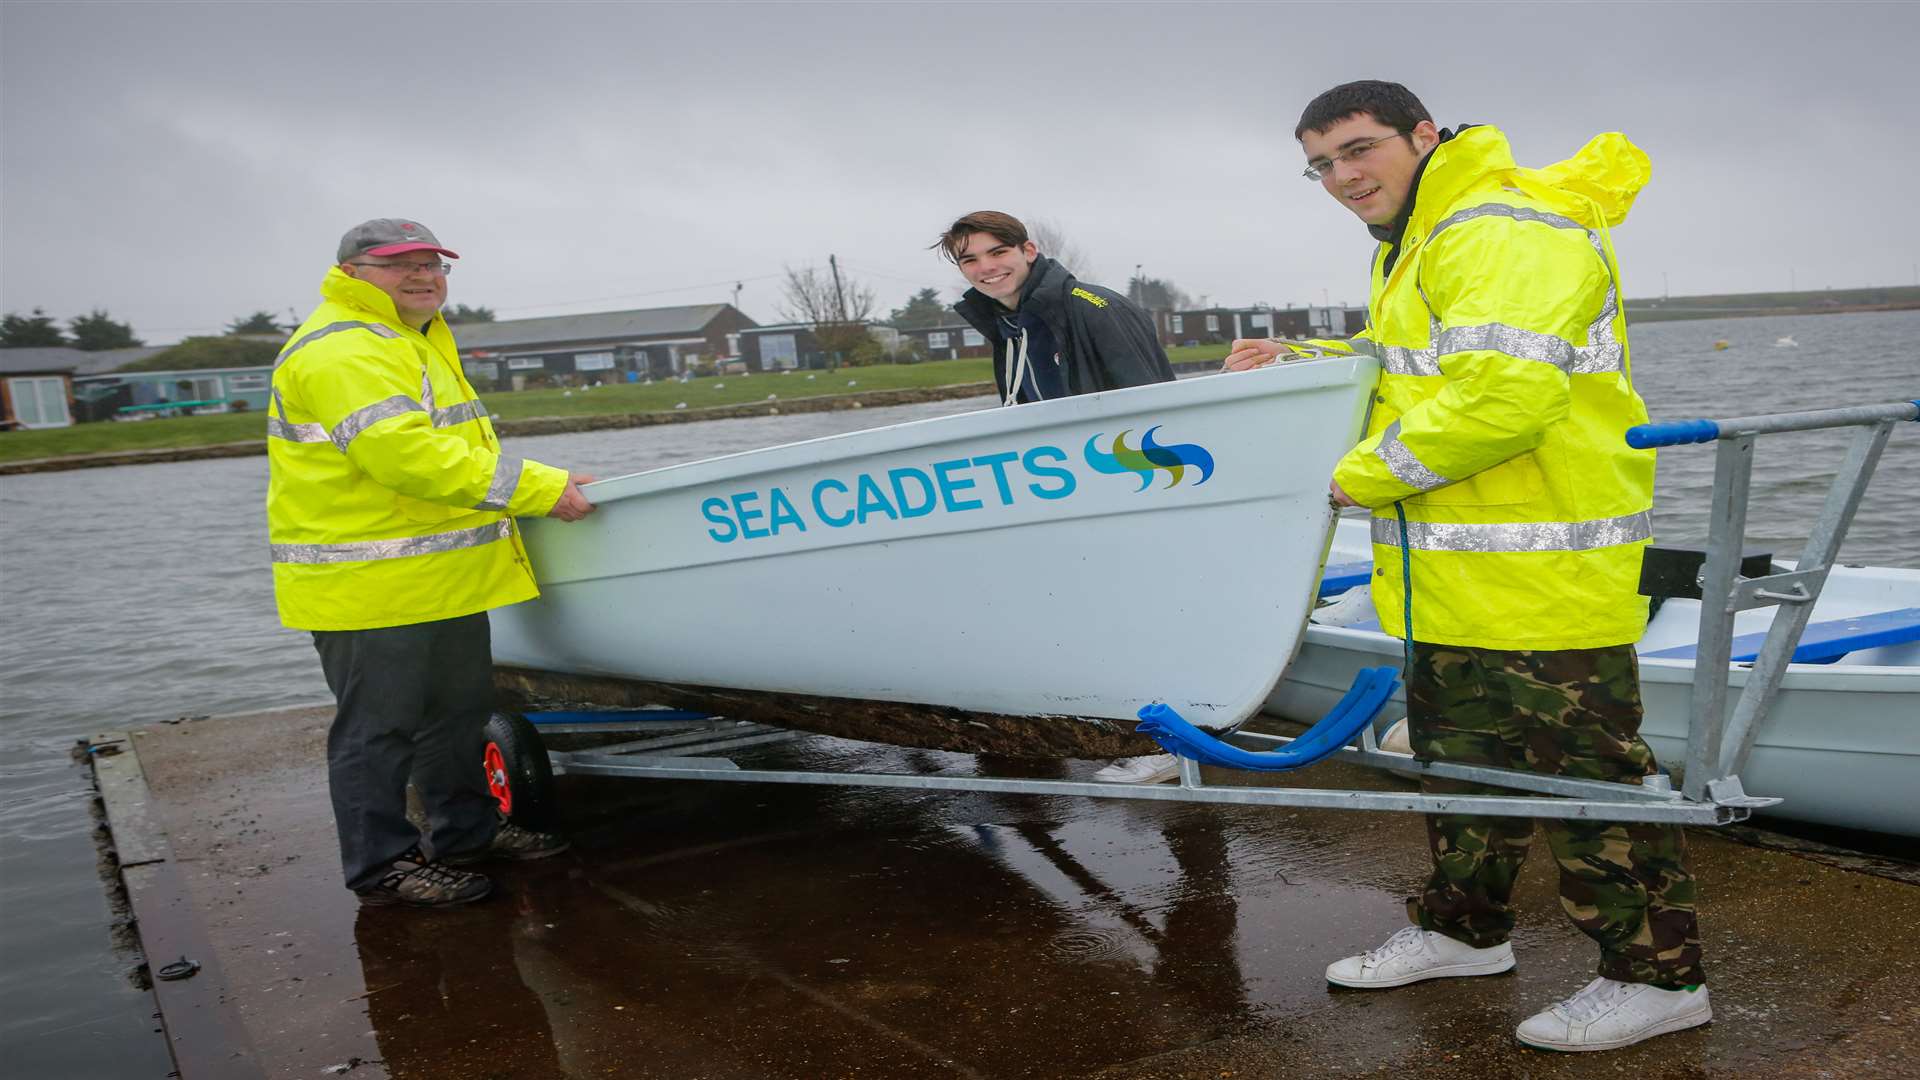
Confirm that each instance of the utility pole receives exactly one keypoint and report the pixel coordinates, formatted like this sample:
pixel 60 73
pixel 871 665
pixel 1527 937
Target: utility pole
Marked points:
pixel 839 300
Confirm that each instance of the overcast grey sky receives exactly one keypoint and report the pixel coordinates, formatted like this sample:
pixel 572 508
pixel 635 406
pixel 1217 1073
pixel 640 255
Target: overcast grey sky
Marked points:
pixel 182 164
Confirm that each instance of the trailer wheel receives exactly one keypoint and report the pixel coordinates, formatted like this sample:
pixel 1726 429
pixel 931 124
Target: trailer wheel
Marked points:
pixel 518 773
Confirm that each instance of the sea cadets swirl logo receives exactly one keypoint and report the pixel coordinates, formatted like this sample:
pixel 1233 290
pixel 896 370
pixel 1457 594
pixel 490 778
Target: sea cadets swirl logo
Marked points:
pixel 1175 460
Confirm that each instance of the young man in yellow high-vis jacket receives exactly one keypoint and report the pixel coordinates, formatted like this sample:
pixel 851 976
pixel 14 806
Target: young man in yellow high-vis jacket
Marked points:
pixel 390 509
pixel 1498 430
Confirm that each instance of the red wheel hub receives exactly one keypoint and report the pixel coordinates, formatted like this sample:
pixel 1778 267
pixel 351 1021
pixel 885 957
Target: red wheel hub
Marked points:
pixel 497 778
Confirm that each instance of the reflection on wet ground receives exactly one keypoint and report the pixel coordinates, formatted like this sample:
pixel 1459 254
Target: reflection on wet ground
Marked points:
pixel 789 931
pixel 735 930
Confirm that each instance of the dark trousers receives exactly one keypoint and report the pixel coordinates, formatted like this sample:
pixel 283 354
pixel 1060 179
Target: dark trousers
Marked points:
pixel 1570 712
pixel 412 703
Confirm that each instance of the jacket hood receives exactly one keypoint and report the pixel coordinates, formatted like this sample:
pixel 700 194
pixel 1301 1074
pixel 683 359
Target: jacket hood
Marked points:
pixel 1048 280
pixel 1046 287
pixel 1609 171
pixel 1595 187
pixel 343 288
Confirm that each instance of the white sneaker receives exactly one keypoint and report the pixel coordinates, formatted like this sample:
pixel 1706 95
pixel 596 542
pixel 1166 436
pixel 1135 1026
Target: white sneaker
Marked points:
pixel 1413 954
pixel 1151 769
pixel 1607 1015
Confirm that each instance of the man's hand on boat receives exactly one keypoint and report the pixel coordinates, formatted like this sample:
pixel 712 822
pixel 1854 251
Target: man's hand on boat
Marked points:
pixel 1250 353
pixel 573 504
pixel 1338 495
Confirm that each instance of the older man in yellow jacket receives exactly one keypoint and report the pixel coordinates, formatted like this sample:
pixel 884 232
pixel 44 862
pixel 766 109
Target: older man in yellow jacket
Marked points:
pixel 390 510
pixel 1496 467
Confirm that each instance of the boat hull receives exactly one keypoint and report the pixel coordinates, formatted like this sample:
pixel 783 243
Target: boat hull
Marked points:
pixel 995 574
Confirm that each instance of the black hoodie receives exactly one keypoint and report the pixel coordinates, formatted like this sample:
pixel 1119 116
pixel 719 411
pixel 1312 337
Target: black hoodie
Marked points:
pixel 1105 340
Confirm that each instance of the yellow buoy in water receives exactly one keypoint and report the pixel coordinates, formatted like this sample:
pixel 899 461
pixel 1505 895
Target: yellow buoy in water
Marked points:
pixel 1723 343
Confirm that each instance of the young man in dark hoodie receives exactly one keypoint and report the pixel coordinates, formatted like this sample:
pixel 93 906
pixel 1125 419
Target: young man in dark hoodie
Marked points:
pixel 1053 336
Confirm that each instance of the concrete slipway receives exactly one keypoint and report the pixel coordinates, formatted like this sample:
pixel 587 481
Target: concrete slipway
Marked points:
pixel 746 931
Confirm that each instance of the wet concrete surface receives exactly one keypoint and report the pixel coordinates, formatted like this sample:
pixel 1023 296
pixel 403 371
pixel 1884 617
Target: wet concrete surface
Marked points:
pixel 745 931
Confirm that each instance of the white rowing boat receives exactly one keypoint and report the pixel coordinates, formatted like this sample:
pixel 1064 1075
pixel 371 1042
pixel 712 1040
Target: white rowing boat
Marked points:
pixel 1015 580
pixel 1841 742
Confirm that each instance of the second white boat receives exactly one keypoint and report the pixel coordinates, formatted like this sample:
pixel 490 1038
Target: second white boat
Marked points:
pixel 1841 743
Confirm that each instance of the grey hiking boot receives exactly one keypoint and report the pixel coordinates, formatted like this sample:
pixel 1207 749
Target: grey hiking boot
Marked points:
pixel 413 881
pixel 511 841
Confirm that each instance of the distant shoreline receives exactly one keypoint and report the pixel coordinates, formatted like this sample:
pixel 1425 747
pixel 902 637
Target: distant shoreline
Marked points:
pixel 1193 361
pixel 1661 311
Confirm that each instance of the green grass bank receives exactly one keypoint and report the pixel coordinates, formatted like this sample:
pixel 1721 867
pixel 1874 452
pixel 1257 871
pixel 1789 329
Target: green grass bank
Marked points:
pixel 185 433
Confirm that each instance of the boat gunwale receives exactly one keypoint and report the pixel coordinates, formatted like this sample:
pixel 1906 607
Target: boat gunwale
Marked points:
pixel 1837 676
pixel 1335 371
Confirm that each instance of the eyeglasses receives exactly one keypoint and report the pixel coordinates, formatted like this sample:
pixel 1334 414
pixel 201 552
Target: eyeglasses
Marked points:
pixel 1318 169
pixel 440 269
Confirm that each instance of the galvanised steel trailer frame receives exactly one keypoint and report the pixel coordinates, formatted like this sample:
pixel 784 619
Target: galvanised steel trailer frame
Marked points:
pixel 690 746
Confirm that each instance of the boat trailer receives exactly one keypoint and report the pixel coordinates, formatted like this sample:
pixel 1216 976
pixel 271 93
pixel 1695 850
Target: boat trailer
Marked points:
pixel 686 745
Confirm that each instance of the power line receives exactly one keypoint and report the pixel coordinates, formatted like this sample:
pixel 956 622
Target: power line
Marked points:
pixel 865 269
pixel 727 283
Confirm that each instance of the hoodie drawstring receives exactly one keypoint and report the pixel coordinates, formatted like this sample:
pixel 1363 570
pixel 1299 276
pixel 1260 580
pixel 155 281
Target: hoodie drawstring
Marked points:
pixel 1016 367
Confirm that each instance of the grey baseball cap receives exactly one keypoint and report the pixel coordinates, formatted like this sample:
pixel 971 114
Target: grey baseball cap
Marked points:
pixel 389 236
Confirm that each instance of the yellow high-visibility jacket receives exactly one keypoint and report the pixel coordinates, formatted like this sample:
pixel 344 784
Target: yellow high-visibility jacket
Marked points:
pixel 1503 403
pixel 389 501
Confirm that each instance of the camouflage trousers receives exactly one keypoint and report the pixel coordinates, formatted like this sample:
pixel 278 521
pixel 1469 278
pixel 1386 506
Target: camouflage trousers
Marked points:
pixel 1571 712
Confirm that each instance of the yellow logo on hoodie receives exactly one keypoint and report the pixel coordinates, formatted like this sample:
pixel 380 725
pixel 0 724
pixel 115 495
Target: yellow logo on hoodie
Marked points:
pixel 1096 301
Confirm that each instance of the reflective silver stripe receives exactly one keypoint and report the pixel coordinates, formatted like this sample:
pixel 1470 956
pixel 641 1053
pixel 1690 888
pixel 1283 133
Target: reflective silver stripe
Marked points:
pixel 1508 340
pixel 426 388
pixel 280 429
pixel 458 414
pixel 361 419
pixel 332 328
pixel 506 477
pixel 1400 360
pixel 370 550
pixel 1528 536
pixel 1405 467
pixel 1517 213
pixel 1603 354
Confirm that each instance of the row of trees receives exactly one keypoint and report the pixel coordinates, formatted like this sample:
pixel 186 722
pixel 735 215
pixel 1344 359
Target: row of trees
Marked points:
pixel 837 307
pixel 97 331
pixel 263 322
pixel 93 332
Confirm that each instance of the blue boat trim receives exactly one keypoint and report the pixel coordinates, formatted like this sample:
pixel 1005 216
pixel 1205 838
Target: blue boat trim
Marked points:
pixel 1371 690
pixel 1339 577
pixel 1823 642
